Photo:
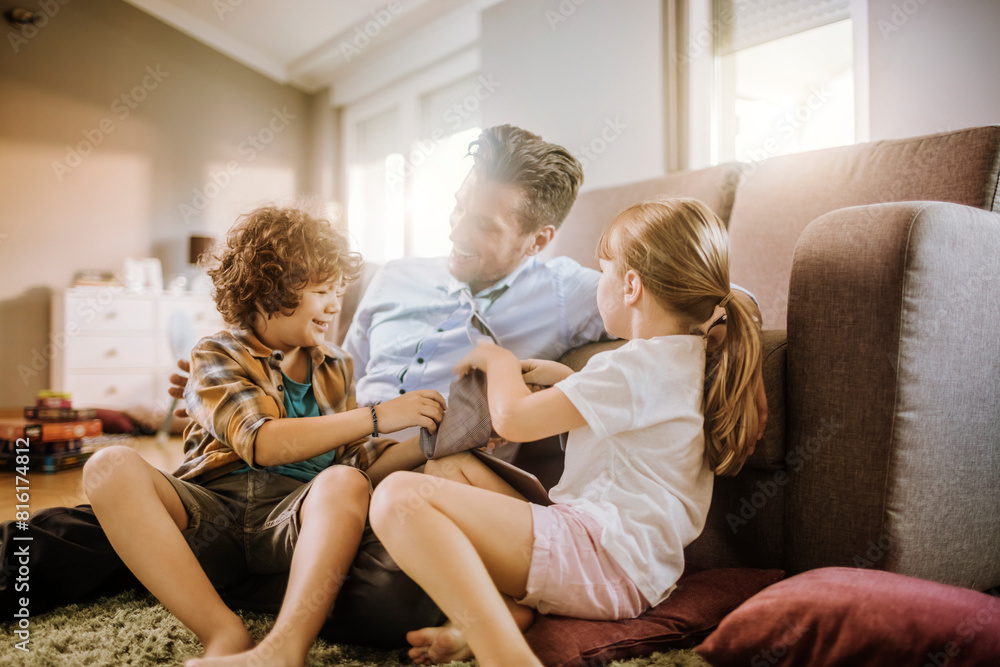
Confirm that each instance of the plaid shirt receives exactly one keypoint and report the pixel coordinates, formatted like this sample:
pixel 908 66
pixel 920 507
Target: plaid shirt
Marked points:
pixel 233 390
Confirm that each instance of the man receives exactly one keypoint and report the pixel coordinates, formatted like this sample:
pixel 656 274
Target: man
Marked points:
pixel 419 316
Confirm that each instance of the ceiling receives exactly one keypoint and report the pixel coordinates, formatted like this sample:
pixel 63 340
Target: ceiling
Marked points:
pixel 305 43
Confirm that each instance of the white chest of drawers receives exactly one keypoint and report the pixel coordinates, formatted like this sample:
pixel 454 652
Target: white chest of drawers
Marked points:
pixel 111 349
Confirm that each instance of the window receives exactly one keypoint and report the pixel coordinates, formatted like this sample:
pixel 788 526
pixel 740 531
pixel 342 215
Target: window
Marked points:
pixel 784 77
pixel 406 164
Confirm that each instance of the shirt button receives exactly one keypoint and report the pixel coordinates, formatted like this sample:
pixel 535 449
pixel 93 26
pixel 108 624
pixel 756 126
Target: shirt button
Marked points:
pixel 281 387
pixel 420 360
pixel 402 391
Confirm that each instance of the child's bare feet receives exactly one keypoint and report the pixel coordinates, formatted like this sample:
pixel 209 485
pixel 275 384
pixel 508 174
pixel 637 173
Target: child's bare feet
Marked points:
pixel 435 646
pixel 236 640
pixel 267 653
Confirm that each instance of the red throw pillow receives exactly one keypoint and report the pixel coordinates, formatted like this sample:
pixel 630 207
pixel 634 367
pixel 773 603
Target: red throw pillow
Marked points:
pixel 848 616
pixel 701 599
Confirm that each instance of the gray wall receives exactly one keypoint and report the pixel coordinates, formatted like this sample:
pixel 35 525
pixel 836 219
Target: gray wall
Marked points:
pixel 588 76
pixel 933 65
pixel 62 94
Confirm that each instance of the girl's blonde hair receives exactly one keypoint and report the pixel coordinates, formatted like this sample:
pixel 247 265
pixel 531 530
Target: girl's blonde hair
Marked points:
pixel 680 250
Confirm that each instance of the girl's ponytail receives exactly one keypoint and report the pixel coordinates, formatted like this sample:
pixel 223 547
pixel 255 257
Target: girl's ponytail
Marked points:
pixel 680 249
pixel 731 419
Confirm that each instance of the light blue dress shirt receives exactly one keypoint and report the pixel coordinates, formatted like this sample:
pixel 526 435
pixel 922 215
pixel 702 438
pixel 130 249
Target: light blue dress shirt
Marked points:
pixel 415 321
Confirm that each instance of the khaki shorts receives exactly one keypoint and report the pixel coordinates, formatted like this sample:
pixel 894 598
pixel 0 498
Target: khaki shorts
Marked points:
pixel 243 523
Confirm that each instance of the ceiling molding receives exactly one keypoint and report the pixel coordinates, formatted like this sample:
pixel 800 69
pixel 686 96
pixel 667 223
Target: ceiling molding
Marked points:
pixel 216 38
pixel 355 47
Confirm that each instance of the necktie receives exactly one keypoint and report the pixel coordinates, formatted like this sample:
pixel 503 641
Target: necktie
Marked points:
pixel 476 325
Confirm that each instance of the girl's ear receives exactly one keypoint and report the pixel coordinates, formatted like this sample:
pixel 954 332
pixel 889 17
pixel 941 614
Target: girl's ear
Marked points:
pixel 633 288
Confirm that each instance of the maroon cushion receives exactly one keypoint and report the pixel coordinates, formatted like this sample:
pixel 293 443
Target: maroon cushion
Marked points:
pixel 113 421
pixel 847 616
pixel 701 600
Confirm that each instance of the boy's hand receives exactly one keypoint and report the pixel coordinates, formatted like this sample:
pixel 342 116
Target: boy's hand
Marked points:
pixel 480 357
pixel 177 384
pixel 541 373
pixel 424 407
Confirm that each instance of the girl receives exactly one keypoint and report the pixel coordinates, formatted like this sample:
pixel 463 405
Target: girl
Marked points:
pixel 646 435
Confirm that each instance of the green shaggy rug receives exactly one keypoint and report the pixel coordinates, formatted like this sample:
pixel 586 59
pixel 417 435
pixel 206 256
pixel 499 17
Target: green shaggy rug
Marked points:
pixel 134 629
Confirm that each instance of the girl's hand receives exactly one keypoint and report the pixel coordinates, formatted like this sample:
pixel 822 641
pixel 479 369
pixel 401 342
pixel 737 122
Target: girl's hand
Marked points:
pixel 540 373
pixel 480 357
pixel 424 407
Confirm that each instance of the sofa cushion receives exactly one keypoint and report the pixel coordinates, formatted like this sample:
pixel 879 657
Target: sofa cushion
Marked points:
pixel 700 601
pixel 846 616
pixel 595 209
pixel 782 195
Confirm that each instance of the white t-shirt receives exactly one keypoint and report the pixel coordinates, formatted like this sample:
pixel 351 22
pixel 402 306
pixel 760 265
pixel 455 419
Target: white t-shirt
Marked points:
pixel 639 466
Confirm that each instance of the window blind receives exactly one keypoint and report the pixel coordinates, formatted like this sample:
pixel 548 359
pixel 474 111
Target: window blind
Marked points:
pixel 745 23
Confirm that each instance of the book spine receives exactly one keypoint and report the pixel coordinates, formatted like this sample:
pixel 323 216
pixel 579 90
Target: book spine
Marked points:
pixel 19 431
pixel 36 413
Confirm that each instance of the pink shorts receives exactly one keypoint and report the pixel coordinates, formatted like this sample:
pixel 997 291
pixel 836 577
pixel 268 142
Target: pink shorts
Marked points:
pixel 571 574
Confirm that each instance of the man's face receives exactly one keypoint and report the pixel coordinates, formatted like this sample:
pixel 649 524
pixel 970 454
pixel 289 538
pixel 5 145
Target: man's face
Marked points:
pixel 487 240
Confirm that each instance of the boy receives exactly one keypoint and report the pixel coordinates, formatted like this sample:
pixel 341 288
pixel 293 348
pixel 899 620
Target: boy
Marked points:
pixel 255 482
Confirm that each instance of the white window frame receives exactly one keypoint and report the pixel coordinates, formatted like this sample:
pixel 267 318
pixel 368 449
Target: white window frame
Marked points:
pixel 404 96
pixel 695 109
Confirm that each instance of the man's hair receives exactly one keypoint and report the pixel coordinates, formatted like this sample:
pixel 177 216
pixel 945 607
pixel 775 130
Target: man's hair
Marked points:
pixel 270 255
pixel 548 174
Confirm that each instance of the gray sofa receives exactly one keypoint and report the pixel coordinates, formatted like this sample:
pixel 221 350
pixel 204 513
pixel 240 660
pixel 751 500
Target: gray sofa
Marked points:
pixel 877 267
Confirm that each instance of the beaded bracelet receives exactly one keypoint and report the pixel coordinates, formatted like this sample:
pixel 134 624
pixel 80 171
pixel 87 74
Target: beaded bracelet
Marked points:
pixel 374 423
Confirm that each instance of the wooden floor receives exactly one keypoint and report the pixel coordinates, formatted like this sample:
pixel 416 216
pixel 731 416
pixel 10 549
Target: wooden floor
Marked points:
pixel 65 488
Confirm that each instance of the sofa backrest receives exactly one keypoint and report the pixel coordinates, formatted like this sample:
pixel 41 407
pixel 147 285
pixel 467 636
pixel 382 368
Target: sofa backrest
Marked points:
pixel 780 196
pixel 595 209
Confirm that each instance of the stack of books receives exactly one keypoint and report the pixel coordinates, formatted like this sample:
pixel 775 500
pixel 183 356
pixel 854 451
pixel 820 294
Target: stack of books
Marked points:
pixel 58 436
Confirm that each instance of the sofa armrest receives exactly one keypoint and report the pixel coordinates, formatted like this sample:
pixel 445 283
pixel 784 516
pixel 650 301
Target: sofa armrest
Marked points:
pixel 892 397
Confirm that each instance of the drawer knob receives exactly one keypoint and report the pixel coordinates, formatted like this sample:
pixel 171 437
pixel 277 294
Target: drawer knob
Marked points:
pixel 110 315
pixel 112 352
pixel 111 391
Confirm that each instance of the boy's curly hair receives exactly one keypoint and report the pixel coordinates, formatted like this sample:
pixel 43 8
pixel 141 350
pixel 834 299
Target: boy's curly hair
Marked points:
pixel 272 253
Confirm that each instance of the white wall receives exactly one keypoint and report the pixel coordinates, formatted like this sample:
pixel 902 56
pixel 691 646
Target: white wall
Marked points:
pixel 588 75
pixel 135 149
pixel 932 65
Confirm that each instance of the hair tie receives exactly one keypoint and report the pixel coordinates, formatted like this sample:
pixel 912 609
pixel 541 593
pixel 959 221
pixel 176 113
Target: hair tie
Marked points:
pixel 726 299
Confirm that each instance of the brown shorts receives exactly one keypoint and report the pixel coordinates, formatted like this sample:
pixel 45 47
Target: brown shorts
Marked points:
pixel 243 523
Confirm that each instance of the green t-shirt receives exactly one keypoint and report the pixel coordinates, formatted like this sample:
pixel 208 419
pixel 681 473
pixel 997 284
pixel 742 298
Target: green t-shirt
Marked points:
pixel 301 402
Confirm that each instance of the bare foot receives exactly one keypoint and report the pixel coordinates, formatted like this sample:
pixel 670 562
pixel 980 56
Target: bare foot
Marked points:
pixel 237 641
pixel 265 654
pixel 435 646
